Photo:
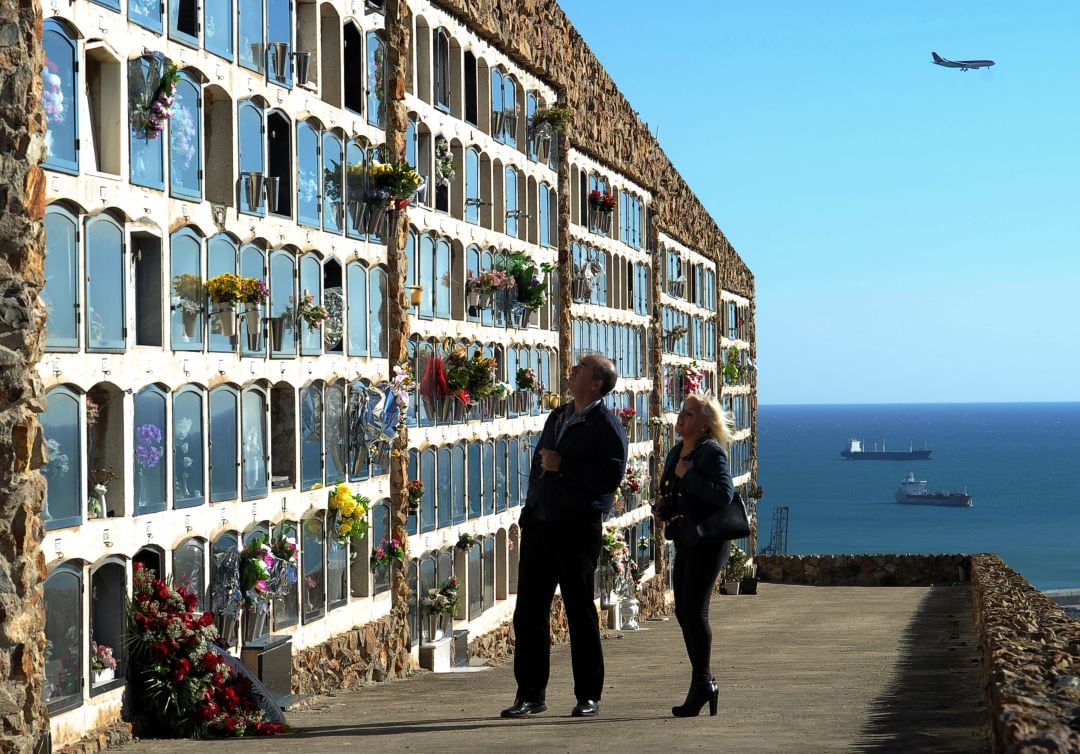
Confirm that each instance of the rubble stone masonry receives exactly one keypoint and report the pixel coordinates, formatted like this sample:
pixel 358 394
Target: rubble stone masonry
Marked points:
pixel 23 721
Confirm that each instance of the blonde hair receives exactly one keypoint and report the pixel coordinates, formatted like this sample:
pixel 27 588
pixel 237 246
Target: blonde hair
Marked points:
pixel 719 424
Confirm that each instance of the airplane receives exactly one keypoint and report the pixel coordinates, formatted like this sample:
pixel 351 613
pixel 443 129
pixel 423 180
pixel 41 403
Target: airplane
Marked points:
pixel 963 65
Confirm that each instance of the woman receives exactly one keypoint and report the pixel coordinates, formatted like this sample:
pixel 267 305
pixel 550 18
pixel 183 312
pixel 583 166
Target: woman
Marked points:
pixel 694 484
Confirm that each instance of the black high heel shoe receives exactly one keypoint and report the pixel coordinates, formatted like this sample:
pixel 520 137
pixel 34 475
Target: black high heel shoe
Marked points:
pixel 696 698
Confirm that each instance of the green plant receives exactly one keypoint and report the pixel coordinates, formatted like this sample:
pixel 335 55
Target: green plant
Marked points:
pixel 556 117
pixel 731 365
pixel 531 287
pixel 737 567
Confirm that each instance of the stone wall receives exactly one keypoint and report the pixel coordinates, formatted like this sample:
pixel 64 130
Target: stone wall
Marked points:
pixel 864 570
pixel 23 719
pixel 1031 661
pixel 539 37
pixel 368 654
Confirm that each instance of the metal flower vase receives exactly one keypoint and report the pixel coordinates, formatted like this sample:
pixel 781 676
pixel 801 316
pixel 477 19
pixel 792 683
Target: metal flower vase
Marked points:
pixel 542 143
pixel 631 610
pixel 273 189
pixel 253 188
pixel 277 332
pixel 189 320
pixel 226 319
pixel 253 322
pixel 434 627
pixel 279 54
pixel 302 66
pixel 498 123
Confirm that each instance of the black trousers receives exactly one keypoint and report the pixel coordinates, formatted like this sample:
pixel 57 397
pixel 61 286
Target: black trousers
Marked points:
pixel 562 554
pixel 693 577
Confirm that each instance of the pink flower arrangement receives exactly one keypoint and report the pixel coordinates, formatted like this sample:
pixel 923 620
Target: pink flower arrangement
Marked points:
pixel 386 553
pixel 489 281
pixel 101 657
pixel 150 119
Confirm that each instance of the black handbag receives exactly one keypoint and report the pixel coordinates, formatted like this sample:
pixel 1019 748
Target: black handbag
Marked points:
pixel 731 521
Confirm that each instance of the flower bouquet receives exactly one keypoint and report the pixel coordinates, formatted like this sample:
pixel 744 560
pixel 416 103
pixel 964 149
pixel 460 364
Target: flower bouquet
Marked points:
pixel 731 366
pixel 558 118
pixel 481 288
pixel 149 117
pixel 442 600
pixel 601 209
pixel 444 162
pixel 393 184
pixel 401 385
pixel 389 551
pixel 690 378
pixel 351 513
pixel 148 453
pixel 526 379
pixel 529 280
pixel 102 662
pixel 625 416
pixel 188 290
pixel 305 310
pixel 468 541
pixel 183 682
pixel 415 492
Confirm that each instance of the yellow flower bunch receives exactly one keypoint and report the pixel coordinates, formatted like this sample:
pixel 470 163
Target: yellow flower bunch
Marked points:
pixel 350 513
pixel 226 288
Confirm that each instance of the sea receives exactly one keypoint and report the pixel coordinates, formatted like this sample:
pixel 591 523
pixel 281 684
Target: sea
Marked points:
pixel 1021 461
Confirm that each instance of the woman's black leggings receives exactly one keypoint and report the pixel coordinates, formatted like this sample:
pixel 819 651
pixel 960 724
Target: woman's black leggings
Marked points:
pixel 694 575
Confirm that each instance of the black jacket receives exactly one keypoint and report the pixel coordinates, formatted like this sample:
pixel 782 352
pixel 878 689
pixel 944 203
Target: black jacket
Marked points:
pixel 705 487
pixel 594 450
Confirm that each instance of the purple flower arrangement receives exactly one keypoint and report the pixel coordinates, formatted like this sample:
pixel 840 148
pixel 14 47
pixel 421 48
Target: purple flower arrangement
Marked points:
pixel 148 440
pixel 150 118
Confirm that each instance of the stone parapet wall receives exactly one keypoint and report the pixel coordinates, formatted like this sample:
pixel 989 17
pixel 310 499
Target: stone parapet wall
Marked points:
pixel 113 737
pixel 375 652
pixel 1031 661
pixel 537 35
pixel 863 570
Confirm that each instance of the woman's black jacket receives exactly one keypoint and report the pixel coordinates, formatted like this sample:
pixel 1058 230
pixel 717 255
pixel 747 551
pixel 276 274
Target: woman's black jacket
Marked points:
pixel 705 487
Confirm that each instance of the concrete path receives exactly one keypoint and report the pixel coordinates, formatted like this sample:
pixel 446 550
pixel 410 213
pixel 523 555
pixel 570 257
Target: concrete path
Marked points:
pixel 801 669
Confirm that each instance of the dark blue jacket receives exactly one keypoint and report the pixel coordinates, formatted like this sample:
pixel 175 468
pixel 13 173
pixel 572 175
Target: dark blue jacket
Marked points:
pixel 706 486
pixel 594 450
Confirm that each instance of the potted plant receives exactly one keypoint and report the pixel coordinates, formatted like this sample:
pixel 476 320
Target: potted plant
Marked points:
pixel 544 124
pixel 736 570
pixel 389 551
pixel 350 513
pixel 253 293
pixel 414 492
pixel 601 209
pixel 188 290
pixel 225 292
pixel 102 663
pixel 468 541
pixel 731 366
pixel 530 282
pixel 441 605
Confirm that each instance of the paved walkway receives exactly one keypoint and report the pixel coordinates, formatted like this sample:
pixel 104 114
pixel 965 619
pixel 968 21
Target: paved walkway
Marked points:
pixel 801 669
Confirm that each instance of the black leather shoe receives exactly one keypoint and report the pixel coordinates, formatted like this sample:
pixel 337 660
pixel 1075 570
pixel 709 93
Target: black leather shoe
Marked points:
pixel 587 708
pixel 523 709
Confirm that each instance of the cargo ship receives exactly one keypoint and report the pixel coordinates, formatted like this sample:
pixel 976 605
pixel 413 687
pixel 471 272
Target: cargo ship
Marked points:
pixel 914 492
pixel 857 451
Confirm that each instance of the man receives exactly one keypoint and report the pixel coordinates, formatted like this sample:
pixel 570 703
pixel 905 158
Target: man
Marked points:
pixel 576 468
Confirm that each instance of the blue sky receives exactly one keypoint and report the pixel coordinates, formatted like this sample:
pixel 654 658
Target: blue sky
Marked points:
pixel 914 231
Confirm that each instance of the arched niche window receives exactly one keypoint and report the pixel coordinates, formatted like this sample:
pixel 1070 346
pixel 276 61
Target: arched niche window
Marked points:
pixel 146 151
pixel 359 455
pixel 333 206
pixel 544 205
pixel 356 275
pixel 476 582
pixel 514 472
pixel 335 428
pixel 108 589
pixel 376 80
pixel 475 482
pixel 471 103
pixel 284 323
pixel 337 572
pixel 378 313
pixel 218 27
pixel 60 426
pixel 188 483
pixel 148 450
pixel 412 471
pixel 353 68
pixel 189 568
pixel 312 558
pixel 61 292
pixel 355 156
pixel 279 164
pixel 426 405
pixel 440 49
pixel 308 177
pixel 497 106
pixel 425 275
pixel 441 513
pixel 530 111
pixel 279 25
pixel 221 258
pixel 252 265
pixel 64 640
pixel 489 572
pixel 249 141
pixel 472 270
pixel 59 83
pixel 500 475
pixel 472 186
pixel 444 278
pixel 146 13
pixel 429 475
pixel 184 21
pixel 489 477
pixel 511 196
pixel 287 608
pixel 187 290
pixel 105 321
pixel 253 444
pixel 311 436
pixel 333 298
pixel 310 285
pixel 457 465
pixel 224 421
pixel 283 436
pixel 380 533
pixel 251 50
pixel 427 580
